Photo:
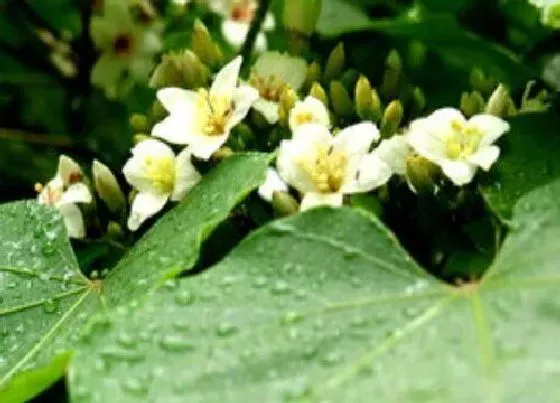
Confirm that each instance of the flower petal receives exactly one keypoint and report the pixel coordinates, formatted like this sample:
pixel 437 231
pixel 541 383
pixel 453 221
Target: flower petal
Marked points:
pixel 372 173
pixel 226 79
pixel 76 193
pixel 311 200
pixel 288 163
pixel 310 110
pixel 288 69
pixel 394 152
pixel 490 126
pixel 178 100
pixel 175 128
pixel 186 175
pixel 243 99
pixel 273 183
pixel 144 206
pixel 73 220
pixel 135 170
pixel 485 157
pixel 356 139
pixel 313 133
pixel 68 170
pixel 427 144
pixel 269 110
pixel 203 147
pixel 459 172
pixel 235 32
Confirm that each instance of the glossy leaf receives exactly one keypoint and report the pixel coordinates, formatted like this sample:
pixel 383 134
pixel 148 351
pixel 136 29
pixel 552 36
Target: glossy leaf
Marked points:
pixel 45 301
pixel 325 306
pixel 441 32
pixel 529 159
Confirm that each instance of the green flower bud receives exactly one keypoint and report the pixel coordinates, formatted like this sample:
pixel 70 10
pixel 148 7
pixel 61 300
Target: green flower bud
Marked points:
pixel 301 15
pixel 335 63
pixel 376 106
pixel 284 204
pixel 313 74
pixel 471 103
pixel 481 83
pixel 392 118
pixel 114 230
pixel 340 99
pixel 222 153
pixel 498 104
pixel 180 70
pixel 288 100
pixel 107 187
pixel 138 122
pixel 392 76
pixel 205 48
pixel 418 101
pixel 363 98
pixel 394 61
pixel 318 92
pixel 416 55
pixel 421 174
pixel 140 137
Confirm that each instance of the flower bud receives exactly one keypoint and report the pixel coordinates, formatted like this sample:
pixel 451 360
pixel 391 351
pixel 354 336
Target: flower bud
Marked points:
pixel 180 70
pixel 392 76
pixel 288 100
pixel 140 137
pixel 222 153
pixel 138 122
pixel 416 55
pixel 313 74
pixel 376 106
pixel 335 63
pixel 363 98
pixel 481 83
pixel 471 103
pixel 114 230
pixel 392 118
pixel 340 99
pixel 205 48
pixel 421 174
pixel 107 187
pixel 284 204
pixel 301 15
pixel 498 102
pixel 418 101
pixel 318 92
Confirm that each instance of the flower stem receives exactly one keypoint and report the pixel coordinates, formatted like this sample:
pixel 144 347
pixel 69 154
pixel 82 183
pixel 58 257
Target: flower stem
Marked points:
pixel 256 25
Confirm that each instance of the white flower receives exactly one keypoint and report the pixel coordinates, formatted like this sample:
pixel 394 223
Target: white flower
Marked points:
pixel 127 47
pixel 64 191
pixel 457 145
pixel 273 183
pixel 271 75
pixel 310 110
pixel 325 167
pixel 158 176
pixel 203 119
pixel 238 15
pixel 394 152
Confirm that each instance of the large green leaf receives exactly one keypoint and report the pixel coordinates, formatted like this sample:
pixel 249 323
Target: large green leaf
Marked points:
pixel 441 32
pixel 529 159
pixel 45 301
pixel 326 306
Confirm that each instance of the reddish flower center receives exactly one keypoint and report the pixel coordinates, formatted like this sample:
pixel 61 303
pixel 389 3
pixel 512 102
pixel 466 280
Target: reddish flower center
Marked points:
pixel 123 45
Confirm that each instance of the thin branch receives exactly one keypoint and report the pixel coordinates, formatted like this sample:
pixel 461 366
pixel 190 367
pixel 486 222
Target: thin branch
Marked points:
pixel 256 25
pixel 55 141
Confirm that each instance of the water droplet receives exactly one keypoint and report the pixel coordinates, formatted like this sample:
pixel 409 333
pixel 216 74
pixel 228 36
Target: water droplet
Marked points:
pixel 358 321
pixel 48 249
pixel 181 325
pixel 50 305
pixel 309 352
pixel 292 317
pixel 135 386
pixel 226 329
pixel 184 298
pixel 126 340
pixel 260 282
pixel 176 343
pixel 280 287
pixel 330 359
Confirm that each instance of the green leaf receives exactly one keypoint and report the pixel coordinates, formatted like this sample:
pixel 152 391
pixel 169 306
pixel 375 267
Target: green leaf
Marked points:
pixel 441 32
pixel 529 159
pixel 45 301
pixel 325 306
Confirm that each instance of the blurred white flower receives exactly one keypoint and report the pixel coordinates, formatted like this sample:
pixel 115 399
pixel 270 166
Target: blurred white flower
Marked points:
pixel 271 75
pixel 273 183
pixel 64 192
pixel 127 47
pixel 238 15
pixel 456 144
pixel 203 119
pixel 324 167
pixel 550 12
pixel 310 110
pixel 158 176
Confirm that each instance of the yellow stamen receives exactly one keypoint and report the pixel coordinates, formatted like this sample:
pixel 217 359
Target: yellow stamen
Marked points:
pixel 327 169
pixel 161 172
pixel 462 141
pixel 214 113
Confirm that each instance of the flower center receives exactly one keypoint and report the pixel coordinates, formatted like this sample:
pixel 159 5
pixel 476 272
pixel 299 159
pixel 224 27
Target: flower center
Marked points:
pixel 51 194
pixel 215 113
pixel 462 141
pixel 161 172
pixel 123 44
pixel 270 87
pixel 243 10
pixel 327 169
